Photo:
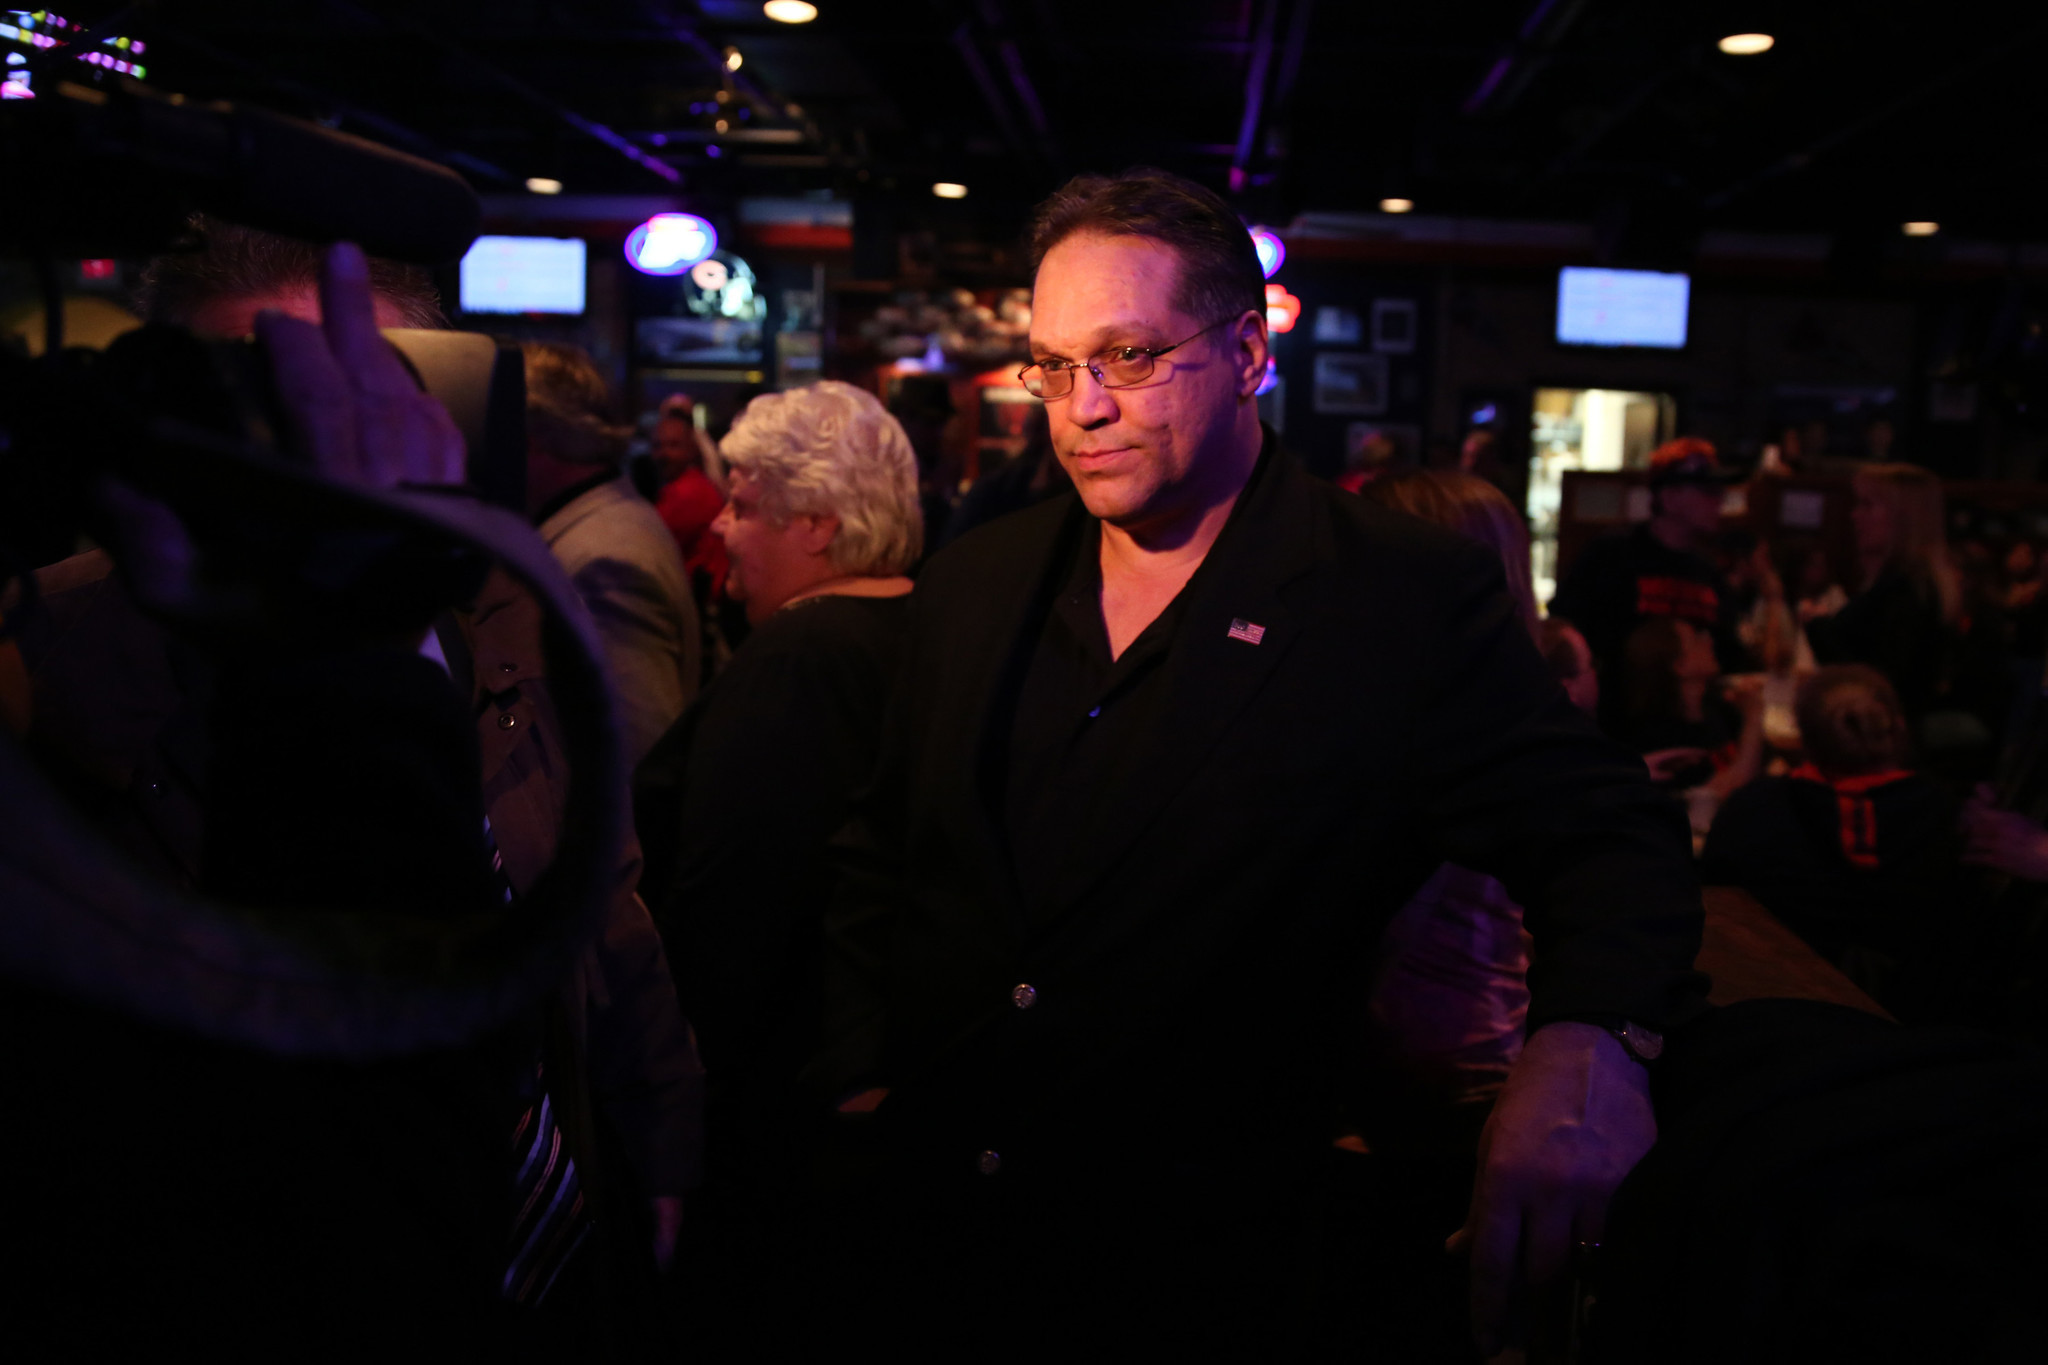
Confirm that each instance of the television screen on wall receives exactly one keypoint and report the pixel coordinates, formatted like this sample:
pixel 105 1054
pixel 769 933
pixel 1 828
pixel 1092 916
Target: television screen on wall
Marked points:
pixel 1622 307
pixel 523 275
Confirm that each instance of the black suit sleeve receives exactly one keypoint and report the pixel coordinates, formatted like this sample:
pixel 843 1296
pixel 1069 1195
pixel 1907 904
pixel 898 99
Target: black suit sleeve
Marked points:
pixel 1518 783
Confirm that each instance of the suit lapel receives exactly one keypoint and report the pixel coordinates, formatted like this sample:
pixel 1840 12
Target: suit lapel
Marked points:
pixel 1006 631
pixel 1236 627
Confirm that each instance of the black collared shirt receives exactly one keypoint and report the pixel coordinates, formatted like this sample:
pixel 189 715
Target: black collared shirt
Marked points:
pixel 1080 716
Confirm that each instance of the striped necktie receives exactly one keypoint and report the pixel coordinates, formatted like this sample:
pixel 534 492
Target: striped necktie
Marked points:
pixel 552 1220
pixel 550 1216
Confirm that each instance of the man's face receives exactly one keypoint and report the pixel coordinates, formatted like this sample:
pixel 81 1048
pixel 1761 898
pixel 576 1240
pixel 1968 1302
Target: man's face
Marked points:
pixel 234 315
pixel 768 563
pixel 1696 507
pixel 675 447
pixel 1141 454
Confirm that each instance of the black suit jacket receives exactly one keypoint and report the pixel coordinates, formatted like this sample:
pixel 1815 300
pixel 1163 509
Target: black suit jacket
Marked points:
pixel 1198 971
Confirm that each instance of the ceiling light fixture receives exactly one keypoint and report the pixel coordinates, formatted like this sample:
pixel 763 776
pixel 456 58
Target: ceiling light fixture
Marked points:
pixel 1747 44
pixel 540 184
pixel 732 59
pixel 946 189
pixel 1397 205
pixel 790 11
pixel 1919 229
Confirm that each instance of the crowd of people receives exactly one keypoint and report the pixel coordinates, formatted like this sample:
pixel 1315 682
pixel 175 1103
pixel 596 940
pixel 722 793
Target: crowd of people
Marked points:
pixel 1035 940
pixel 1855 754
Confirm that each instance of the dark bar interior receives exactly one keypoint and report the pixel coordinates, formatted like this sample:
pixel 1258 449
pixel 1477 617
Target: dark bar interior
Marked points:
pixel 1243 679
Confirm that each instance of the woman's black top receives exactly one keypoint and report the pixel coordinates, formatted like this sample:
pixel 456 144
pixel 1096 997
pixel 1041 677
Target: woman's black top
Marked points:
pixel 1895 626
pixel 735 806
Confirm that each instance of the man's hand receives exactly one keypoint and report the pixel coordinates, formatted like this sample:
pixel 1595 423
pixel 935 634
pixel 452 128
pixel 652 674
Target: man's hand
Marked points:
pixel 1665 764
pixel 2003 840
pixel 668 1225
pixel 354 410
pixel 1573 1119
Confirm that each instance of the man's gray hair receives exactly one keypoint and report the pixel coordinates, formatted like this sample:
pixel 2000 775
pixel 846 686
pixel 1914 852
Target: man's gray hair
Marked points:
pixel 831 449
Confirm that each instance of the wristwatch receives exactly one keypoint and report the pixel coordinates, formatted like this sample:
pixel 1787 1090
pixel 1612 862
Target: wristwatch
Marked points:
pixel 1646 1045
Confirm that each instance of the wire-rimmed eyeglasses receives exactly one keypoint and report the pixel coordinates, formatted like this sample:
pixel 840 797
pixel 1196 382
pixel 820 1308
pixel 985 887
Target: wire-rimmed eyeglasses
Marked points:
pixel 1119 367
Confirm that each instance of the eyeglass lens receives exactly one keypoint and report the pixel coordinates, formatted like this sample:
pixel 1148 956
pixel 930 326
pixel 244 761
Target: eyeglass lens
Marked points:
pixel 1115 369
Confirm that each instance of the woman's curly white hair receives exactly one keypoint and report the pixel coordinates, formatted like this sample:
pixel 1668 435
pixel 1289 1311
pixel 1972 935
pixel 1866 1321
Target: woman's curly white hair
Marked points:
pixel 831 449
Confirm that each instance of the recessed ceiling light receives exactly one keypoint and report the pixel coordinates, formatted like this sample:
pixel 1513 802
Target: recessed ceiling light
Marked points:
pixel 1397 205
pixel 1920 229
pixel 790 11
pixel 946 189
pixel 540 184
pixel 732 59
pixel 1747 44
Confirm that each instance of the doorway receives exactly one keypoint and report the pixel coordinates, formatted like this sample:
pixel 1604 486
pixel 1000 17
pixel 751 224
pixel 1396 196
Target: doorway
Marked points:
pixel 1584 429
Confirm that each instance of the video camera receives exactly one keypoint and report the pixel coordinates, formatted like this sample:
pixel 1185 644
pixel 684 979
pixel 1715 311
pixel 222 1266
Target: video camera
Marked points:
pixel 120 171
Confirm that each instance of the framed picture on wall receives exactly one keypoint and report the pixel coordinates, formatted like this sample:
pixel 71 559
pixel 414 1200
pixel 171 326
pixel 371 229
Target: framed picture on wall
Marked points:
pixel 1338 326
pixel 1393 326
pixel 1351 383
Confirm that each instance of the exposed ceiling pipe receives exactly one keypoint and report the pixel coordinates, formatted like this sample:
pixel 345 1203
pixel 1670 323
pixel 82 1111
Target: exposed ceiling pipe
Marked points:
pixel 388 129
pixel 1524 58
pixel 970 53
pixel 1254 96
pixel 506 81
pixel 1007 52
pixel 1613 117
pixel 1291 53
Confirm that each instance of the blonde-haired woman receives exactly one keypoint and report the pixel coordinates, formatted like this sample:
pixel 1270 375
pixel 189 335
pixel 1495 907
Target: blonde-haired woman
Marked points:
pixel 736 803
pixel 1903 621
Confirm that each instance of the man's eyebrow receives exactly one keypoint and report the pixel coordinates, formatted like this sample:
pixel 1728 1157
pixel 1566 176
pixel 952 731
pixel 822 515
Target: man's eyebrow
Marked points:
pixel 1109 338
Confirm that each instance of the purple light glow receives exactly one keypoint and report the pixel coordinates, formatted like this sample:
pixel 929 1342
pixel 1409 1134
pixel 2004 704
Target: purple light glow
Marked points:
pixel 670 243
pixel 1272 251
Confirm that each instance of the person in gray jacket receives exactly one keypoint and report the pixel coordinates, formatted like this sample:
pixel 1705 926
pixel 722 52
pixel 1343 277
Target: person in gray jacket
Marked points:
pixel 620 556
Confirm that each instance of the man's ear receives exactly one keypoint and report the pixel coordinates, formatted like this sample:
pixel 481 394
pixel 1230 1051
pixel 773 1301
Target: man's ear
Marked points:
pixel 815 531
pixel 1252 348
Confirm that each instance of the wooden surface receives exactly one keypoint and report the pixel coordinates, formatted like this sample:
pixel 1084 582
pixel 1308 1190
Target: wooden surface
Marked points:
pixel 1751 956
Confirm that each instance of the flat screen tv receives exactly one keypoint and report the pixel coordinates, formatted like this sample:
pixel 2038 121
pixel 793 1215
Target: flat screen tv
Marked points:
pixel 1621 307
pixel 523 275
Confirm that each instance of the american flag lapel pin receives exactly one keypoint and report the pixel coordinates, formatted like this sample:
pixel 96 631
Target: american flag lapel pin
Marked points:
pixel 1249 632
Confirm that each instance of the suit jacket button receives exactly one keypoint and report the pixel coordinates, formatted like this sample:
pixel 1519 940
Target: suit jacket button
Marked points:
pixel 507 721
pixel 988 1163
pixel 1024 997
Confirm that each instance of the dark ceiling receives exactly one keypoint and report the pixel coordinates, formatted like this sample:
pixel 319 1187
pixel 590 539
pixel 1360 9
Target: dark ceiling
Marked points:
pixel 1864 114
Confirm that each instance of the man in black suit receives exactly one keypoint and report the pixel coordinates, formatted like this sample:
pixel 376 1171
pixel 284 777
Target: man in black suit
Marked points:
pixel 1165 756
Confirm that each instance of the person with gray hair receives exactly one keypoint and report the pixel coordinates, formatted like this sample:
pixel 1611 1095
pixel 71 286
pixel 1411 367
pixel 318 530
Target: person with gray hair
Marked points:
pixel 823 501
pixel 736 804
pixel 620 556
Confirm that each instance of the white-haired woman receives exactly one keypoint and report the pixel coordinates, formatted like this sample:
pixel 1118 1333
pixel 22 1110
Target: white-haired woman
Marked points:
pixel 822 500
pixel 735 805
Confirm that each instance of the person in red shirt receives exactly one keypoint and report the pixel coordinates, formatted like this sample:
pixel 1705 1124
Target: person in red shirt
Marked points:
pixel 689 500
